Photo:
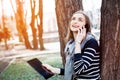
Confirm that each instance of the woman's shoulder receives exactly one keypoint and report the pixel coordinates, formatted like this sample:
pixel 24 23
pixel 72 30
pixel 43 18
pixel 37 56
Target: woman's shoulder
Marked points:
pixel 92 43
pixel 92 40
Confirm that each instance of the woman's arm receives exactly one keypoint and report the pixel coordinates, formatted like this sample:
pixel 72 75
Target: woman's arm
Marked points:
pixel 83 60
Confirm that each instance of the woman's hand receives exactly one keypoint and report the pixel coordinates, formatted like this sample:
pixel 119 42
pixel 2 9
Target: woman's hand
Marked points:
pixel 52 69
pixel 81 35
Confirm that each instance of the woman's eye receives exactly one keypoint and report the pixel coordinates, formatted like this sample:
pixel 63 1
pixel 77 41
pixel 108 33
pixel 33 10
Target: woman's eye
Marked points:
pixel 73 18
pixel 79 19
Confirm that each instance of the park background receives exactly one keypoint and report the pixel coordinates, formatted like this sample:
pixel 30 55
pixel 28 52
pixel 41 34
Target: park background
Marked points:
pixel 32 29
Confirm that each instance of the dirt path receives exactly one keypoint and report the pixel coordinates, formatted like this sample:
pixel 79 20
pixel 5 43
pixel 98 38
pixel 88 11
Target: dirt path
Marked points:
pixel 4 63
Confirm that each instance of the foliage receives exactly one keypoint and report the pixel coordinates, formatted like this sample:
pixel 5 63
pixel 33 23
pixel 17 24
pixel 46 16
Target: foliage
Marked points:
pixel 5 33
pixel 1 35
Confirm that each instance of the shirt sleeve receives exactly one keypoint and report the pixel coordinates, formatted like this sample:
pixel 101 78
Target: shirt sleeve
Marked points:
pixel 83 60
pixel 62 71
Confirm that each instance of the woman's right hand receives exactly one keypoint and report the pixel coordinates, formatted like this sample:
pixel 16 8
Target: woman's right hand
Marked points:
pixel 52 69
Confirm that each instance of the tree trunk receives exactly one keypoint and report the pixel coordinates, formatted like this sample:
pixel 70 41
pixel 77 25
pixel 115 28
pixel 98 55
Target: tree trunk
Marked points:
pixel 17 27
pixel 21 23
pixel 110 40
pixel 3 24
pixel 40 26
pixel 64 11
pixel 32 24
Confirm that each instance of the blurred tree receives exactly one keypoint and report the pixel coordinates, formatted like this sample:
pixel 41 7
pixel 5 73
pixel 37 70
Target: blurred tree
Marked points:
pixel 5 32
pixel 21 23
pixel 32 24
pixel 17 26
pixel 110 40
pixel 1 35
pixel 64 11
pixel 40 25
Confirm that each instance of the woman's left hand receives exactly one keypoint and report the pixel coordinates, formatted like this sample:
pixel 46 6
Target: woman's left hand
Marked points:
pixel 81 35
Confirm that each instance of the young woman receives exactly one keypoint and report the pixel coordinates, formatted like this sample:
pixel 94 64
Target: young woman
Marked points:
pixel 82 56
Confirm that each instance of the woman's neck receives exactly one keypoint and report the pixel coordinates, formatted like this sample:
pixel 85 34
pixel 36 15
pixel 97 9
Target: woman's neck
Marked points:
pixel 74 35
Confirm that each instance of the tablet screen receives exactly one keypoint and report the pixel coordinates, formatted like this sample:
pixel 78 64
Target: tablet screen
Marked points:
pixel 37 65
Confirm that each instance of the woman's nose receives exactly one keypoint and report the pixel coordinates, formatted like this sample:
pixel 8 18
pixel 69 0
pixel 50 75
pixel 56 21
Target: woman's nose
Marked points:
pixel 75 21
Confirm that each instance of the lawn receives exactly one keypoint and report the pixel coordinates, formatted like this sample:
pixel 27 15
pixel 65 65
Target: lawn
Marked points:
pixel 20 70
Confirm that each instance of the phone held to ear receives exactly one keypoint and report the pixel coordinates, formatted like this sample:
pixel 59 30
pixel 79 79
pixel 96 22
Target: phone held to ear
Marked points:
pixel 37 65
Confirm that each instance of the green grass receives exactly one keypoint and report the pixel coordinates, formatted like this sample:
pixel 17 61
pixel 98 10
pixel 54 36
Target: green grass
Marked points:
pixel 20 70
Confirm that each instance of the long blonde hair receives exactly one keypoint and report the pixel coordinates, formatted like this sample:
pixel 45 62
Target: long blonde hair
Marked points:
pixel 87 26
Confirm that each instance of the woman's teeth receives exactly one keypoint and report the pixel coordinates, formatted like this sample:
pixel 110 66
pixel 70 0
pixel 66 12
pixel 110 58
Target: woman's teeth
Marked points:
pixel 76 26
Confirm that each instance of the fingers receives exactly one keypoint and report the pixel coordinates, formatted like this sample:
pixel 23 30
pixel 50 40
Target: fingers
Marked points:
pixel 79 31
pixel 82 30
pixel 49 67
pixel 46 65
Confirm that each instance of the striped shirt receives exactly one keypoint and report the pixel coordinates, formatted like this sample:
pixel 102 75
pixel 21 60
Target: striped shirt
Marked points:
pixel 87 63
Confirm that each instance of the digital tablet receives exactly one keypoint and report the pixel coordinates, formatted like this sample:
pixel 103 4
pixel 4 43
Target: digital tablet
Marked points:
pixel 37 65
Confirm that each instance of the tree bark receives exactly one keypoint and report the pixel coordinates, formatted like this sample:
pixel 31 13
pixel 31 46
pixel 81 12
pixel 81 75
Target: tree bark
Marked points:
pixel 110 40
pixel 40 26
pixel 64 11
pixel 32 24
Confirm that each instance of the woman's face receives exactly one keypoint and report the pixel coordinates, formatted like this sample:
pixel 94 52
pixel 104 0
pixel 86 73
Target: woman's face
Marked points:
pixel 77 21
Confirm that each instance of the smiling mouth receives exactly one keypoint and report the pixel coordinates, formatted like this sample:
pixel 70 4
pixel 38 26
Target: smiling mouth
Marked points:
pixel 75 26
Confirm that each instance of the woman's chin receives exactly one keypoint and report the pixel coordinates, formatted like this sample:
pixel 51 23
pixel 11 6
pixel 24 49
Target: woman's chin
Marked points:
pixel 74 30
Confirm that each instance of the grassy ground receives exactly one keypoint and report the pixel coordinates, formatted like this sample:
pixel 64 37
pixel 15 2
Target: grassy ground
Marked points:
pixel 20 70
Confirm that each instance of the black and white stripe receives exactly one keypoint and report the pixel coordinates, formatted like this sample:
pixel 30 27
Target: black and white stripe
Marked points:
pixel 87 63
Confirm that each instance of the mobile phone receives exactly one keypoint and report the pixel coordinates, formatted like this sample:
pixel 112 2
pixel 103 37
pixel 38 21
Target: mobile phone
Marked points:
pixel 37 65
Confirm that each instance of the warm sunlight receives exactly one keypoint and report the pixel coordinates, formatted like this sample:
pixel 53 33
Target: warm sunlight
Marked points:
pixel 33 40
pixel 8 11
pixel 59 40
pixel 48 13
